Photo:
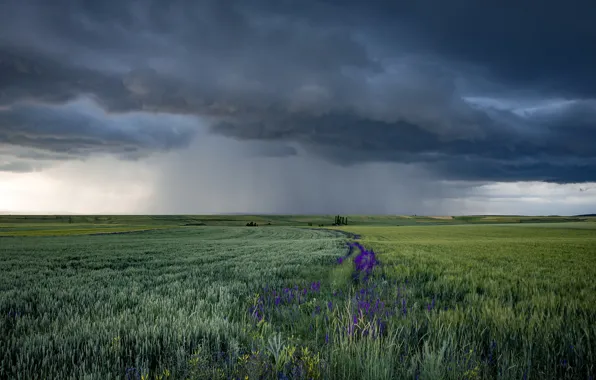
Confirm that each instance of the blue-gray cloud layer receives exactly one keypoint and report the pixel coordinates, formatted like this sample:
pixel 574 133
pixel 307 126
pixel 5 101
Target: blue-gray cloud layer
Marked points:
pixel 470 90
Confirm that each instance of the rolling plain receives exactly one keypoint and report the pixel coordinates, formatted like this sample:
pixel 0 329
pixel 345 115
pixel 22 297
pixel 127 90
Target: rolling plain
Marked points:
pixel 206 297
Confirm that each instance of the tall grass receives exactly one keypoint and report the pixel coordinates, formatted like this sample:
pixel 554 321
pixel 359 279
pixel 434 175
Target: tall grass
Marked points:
pixel 494 301
pixel 93 307
pixel 473 302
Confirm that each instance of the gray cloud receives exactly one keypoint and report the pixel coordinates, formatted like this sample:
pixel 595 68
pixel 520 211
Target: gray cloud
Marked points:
pixel 350 82
pixel 542 44
pixel 558 149
pixel 79 129
pixel 266 149
pixel 16 166
pixel 189 182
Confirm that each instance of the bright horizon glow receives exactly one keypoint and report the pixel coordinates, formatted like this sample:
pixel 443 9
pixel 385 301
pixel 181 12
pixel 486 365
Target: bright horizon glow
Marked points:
pixel 75 187
pixel 91 188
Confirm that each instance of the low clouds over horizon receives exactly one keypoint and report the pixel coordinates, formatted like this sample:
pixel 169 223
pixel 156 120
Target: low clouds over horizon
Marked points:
pixel 476 92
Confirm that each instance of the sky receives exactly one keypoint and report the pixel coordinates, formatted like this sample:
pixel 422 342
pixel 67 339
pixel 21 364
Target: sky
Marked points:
pixel 430 107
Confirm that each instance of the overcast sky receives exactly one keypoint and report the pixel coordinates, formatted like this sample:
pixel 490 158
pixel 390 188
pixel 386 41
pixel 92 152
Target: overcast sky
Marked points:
pixel 309 106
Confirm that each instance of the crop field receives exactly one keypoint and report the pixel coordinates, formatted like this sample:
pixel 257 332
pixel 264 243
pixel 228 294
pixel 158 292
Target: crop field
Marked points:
pixel 382 298
pixel 494 301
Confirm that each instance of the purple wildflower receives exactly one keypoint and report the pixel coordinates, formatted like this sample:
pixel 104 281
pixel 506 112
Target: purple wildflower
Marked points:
pixel 315 286
pixel 132 373
pixel 363 305
pixel 330 305
pixel 365 261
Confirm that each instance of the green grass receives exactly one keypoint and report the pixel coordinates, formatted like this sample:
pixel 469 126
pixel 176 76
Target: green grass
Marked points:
pixel 201 302
pixel 96 305
pixel 530 289
pixel 72 229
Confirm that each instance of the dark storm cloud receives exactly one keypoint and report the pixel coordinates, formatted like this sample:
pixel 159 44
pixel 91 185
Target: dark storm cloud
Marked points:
pixel 548 44
pixel 78 129
pixel 552 145
pixel 349 81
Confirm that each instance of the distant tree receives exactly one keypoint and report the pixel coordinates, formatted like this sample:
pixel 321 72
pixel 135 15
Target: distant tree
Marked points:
pixel 310 224
pixel 70 219
pixel 340 220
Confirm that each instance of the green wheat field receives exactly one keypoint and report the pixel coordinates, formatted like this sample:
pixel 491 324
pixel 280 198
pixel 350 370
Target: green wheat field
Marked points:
pixel 207 297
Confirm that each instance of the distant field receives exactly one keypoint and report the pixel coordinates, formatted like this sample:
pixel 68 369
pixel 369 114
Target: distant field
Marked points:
pixel 52 229
pixel 155 298
pixel 53 225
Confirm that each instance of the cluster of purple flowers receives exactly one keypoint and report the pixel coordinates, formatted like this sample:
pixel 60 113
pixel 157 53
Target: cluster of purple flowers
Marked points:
pixel 368 313
pixel 373 305
pixel 364 262
pixel 273 299
pixel 14 314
